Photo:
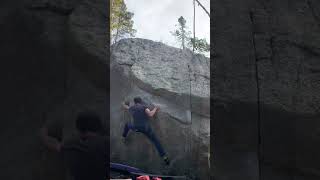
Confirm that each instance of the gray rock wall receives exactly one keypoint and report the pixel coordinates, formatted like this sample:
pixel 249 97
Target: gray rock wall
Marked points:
pixel 160 74
pixel 266 84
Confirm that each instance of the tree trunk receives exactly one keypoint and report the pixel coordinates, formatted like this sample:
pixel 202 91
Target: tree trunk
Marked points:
pixel 117 32
pixel 183 36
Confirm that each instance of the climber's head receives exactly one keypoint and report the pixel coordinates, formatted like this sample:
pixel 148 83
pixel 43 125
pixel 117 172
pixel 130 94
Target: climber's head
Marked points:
pixel 137 100
pixel 88 122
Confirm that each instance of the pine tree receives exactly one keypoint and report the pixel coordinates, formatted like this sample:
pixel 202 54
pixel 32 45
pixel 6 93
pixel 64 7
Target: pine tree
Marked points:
pixel 181 34
pixel 121 24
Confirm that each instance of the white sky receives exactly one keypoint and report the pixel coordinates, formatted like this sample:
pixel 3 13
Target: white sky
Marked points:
pixel 154 19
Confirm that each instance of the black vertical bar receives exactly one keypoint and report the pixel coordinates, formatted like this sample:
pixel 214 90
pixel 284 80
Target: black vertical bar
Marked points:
pixel 259 153
pixel 107 75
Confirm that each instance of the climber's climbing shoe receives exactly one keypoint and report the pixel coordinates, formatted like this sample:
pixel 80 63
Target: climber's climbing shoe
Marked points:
pixel 166 160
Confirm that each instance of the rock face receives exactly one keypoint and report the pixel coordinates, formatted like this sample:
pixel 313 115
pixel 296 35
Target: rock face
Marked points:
pixel 178 83
pixel 49 72
pixel 266 89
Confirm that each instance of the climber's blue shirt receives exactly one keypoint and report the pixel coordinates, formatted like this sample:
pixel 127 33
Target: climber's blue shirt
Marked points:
pixel 140 118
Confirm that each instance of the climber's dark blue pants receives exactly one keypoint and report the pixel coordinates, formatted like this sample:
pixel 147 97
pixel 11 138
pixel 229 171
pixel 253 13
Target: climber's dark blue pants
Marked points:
pixel 147 131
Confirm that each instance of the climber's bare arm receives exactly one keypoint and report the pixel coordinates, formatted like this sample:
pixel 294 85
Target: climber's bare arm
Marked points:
pixel 151 113
pixel 51 142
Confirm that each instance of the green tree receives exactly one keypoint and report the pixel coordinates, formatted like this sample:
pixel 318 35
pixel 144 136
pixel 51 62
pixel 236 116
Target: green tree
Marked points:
pixel 200 45
pixel 181 34
pixel 121 23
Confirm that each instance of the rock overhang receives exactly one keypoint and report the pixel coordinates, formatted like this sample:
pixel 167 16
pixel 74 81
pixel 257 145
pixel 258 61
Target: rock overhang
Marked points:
pixel 166 71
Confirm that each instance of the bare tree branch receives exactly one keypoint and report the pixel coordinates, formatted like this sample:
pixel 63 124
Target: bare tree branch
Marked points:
pixel 203 8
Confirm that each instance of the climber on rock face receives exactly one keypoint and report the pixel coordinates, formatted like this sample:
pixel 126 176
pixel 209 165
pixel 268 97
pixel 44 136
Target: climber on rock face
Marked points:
pixel 141 114
pixel 85 154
